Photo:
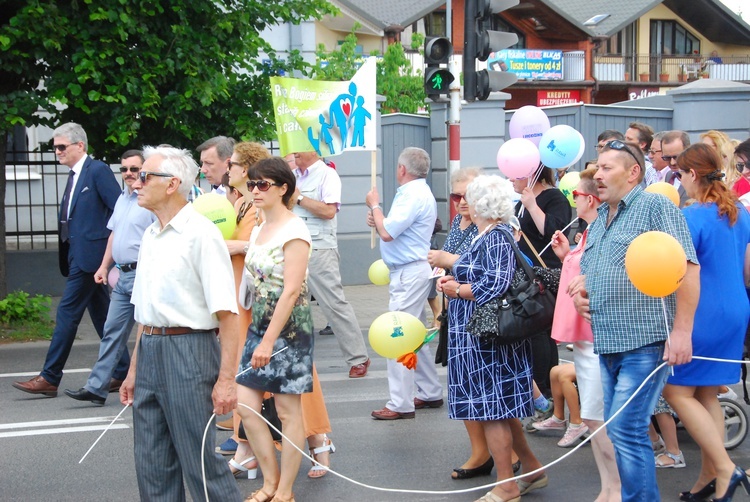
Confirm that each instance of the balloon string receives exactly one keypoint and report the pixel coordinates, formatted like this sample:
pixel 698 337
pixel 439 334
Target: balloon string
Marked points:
pixel 530 184
pixel 562 231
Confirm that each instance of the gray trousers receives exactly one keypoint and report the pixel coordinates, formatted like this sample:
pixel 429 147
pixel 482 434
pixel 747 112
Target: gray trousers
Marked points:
pixel 324 282
pixel 174 380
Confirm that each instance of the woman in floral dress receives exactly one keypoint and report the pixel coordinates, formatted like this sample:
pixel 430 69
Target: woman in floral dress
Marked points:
pixel 278 353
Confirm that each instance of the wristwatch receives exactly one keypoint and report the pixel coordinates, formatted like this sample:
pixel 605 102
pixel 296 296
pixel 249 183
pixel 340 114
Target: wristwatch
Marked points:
pixel 299 199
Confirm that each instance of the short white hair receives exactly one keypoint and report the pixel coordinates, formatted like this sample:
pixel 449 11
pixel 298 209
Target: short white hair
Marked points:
pixel 179 163
pixel 491 197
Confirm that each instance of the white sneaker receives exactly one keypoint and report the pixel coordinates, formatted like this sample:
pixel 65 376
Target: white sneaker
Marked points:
pixel 551 424
pixel 729 394
pixel 572 434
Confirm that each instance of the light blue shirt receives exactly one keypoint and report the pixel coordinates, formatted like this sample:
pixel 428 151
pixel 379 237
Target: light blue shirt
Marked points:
pixel 128 222
pixel 410 222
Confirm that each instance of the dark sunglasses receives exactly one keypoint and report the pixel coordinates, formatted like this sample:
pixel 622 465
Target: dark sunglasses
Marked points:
pixel 132 169
pixel 456 197
pixel 618 145
pixel 669 158
pixel 576 193
pixel 679 172
pixel 61 148
pixel 741 166
pixel 262 185
pixel 143 176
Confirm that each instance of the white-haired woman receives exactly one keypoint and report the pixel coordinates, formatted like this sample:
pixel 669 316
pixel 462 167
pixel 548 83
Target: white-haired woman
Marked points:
pixel 487 382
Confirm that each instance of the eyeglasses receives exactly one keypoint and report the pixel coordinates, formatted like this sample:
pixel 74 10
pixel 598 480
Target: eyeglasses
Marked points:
pixel 456 197
pixel 262 185
pixel 618 145
pixel 143 176
pixel 654 152
pixel 62 148
pixel 669 158
pixel 678 174
pixel 232 164
pixel 741 166
pixel 132 169
pixel 599 147
pixel 576 193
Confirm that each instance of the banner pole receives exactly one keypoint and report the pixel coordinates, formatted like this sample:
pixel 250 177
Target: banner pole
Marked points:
pixel 374 183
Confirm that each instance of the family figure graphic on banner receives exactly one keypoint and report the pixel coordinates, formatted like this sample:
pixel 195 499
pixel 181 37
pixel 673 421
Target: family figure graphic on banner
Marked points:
pixel 347 111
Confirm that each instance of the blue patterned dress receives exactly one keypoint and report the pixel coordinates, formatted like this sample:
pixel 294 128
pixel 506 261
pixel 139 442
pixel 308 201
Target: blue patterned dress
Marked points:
pixel 486 381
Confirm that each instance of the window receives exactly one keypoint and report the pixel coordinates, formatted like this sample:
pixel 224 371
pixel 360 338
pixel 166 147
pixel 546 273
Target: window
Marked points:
pixel 671 38
pixel 499 24
pixel 622 42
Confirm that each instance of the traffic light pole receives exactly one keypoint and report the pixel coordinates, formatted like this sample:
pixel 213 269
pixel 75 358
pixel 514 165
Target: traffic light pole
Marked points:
pixel 454 128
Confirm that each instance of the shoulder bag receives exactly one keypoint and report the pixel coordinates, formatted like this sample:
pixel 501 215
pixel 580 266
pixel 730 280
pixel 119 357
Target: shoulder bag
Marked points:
pixel 524 310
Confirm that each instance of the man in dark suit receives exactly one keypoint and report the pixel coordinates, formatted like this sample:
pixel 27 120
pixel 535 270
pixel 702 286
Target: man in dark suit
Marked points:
pixel 87 204
pixel 673 144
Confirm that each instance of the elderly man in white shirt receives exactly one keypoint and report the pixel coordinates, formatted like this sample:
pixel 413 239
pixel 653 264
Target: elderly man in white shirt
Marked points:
pixel 180 374
pixel 405 241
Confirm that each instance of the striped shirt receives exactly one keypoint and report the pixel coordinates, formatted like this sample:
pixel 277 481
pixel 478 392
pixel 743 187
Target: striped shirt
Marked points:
pixel 622 317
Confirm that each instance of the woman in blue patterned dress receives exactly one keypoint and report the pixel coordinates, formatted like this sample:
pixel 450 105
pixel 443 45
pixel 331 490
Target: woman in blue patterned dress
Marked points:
pixel 275 275
pixel 720 229
pixel 487 382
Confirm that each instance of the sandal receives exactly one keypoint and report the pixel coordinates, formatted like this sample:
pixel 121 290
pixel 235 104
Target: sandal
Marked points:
pixel 658 446
pixel 319 470
pixel 678 461
pixel 277 499
pixel 260 493
pixel 239 469
pixel 491 497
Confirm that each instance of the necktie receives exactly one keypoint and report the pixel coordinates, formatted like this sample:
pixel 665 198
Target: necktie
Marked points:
pixel 64 233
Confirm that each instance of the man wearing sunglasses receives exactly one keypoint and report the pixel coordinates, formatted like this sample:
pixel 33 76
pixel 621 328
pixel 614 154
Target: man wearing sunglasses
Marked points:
pixel 317 201
pixel 86 206
pixel 630 328
pixel 673 143
pixel 128 222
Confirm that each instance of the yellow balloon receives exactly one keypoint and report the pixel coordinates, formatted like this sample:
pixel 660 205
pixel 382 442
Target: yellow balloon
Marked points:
pixel 655 263
pixel 394 334
pixel 379 273
pixel 219 210
pixel 665 189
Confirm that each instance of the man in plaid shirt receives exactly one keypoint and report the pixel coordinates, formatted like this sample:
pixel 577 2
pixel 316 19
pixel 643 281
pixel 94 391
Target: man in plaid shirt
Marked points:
pixel 633 332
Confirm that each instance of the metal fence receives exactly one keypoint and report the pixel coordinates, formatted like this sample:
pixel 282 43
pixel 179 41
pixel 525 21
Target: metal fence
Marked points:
pixel 35 183
pixel 674 69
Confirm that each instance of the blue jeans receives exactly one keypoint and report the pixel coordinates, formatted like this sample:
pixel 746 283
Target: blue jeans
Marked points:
pixel 113 350
pixel 622 373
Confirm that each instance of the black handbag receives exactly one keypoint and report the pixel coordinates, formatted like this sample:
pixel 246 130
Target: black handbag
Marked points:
pixel 441 352
pixel 268 411
pixel 526 309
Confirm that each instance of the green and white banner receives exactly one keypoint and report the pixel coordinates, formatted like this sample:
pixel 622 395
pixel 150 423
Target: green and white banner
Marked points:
pixel 327 117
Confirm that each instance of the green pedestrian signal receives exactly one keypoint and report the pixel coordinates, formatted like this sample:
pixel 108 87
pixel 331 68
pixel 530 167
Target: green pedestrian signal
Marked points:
pixel 437 78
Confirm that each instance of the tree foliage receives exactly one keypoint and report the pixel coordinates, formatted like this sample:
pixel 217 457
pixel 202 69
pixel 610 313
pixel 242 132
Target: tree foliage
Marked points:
pixel 136 72
pixel 403 91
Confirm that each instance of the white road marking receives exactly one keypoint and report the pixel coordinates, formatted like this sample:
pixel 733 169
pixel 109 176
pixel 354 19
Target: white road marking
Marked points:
pixel 53 423
pixel 62 430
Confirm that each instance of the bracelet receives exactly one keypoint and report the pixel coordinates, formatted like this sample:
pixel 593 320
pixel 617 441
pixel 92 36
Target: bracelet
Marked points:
pixel 247 246
pixel 458 291
pixel 376 206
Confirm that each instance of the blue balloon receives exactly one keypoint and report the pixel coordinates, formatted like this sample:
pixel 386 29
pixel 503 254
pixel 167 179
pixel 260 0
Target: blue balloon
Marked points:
pixel 559 146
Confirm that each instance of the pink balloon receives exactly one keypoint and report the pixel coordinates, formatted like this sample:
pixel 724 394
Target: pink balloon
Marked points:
pixel 528 122
pixel 518 158
pixel 113 277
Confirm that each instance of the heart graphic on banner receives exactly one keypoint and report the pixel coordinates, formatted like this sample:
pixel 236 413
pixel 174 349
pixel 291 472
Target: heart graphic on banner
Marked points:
pixel 346 106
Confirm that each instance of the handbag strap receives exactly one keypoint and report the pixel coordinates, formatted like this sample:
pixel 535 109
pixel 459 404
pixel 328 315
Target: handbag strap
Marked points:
pixel 465 233
pixel 519 256
pixel 533 250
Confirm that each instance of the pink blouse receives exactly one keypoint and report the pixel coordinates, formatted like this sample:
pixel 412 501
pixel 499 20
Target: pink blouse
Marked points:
pixel 568 326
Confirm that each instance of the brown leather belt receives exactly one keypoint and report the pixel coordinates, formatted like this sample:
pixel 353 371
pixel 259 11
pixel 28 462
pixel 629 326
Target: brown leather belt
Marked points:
pixel 177 330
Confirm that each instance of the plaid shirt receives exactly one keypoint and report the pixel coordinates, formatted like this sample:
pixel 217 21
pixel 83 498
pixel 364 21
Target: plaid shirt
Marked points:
pixel 622 317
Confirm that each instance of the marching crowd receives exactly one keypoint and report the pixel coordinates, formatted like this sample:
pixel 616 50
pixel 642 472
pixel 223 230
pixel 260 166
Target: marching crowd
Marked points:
pixel 225 325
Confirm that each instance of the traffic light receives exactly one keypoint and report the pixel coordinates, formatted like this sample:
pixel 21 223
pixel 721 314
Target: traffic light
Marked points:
pixel 479 43
pixel 437 79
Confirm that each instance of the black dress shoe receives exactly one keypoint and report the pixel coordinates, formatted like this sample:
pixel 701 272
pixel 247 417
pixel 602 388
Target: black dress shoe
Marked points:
pixel 701 494
pixel 483 470
pixel 84 395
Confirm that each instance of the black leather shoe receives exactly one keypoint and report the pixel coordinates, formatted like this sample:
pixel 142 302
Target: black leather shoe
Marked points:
pixel 84 395
pixel 701 494
pixel 483 470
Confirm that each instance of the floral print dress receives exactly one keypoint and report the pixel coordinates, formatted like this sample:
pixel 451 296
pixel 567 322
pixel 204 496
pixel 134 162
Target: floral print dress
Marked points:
pixel 290 371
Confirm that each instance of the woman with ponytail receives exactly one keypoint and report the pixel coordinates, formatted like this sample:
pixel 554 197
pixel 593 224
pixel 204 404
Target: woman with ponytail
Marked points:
pixel 720 229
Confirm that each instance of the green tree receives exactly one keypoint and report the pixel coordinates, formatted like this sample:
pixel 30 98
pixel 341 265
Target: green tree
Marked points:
pixel 136 72
pixel 403 91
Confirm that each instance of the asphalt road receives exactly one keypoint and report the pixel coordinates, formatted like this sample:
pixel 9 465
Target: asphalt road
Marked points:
pixel 43 439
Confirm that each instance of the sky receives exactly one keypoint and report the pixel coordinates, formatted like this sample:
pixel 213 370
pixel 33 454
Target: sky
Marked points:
pixel 735 6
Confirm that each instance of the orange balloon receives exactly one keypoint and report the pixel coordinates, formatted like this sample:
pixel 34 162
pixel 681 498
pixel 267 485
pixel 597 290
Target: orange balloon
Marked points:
pixel 665 189
pixel 655 263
